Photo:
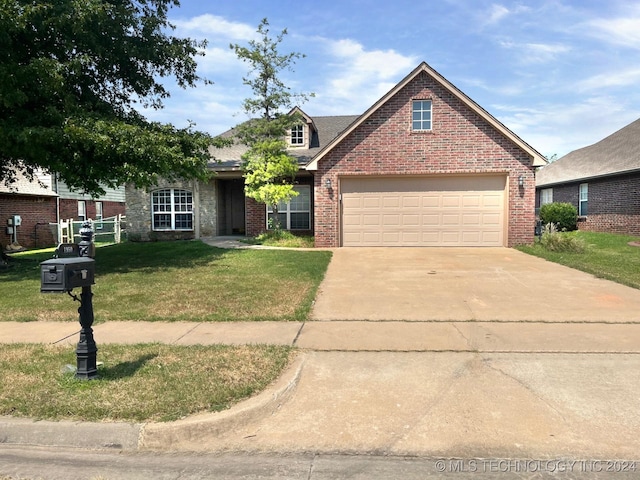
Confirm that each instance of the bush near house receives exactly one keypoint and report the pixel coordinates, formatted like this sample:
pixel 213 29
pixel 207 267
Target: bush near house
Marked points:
pixel 563 215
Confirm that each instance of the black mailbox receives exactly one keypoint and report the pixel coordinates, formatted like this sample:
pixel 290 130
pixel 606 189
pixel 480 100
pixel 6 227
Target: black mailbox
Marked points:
pixel 60 275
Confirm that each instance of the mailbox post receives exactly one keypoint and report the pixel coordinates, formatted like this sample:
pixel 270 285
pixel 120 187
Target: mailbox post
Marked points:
pixel 86 351
pixel 75 268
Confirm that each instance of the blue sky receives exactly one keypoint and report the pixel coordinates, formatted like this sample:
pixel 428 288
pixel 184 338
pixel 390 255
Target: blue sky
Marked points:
pixel 562 74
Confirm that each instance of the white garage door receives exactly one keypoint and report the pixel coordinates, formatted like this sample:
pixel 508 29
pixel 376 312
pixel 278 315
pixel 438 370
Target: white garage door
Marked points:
pixel 423 211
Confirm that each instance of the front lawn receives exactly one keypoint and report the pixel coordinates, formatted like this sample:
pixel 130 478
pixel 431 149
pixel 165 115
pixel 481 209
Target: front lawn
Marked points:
pixel 607 256
pixel 172 281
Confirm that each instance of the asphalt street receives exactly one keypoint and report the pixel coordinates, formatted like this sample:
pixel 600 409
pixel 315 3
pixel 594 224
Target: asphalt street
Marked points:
pixel 22 462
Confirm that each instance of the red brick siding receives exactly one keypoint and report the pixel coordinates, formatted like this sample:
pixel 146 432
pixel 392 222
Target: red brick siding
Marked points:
pixel 36 213
pixel 461 142
pixel 614 203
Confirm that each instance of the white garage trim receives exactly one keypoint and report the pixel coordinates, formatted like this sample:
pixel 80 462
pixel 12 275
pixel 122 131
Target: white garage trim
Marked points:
pixel 423 211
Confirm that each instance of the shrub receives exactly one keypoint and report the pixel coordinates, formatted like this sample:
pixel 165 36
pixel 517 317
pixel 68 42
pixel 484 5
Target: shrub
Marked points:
pixel 564 215
pixel 555 241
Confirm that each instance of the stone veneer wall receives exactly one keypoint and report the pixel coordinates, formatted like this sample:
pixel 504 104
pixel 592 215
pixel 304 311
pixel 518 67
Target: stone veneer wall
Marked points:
pixel 139 212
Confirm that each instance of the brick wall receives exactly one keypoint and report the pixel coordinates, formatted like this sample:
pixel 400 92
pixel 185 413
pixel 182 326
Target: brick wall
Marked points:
pixel 461 142
pixel 36 213
pixel 614 203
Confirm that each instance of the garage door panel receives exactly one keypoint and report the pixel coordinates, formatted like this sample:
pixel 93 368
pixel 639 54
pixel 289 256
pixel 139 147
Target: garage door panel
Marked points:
pixel 429 211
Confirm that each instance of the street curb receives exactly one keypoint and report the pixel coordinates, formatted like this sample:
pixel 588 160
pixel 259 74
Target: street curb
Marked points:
pixel 180 434
pixel 150 436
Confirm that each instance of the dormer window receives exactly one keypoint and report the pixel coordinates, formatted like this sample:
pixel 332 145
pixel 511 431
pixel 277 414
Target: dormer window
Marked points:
pixel 297 135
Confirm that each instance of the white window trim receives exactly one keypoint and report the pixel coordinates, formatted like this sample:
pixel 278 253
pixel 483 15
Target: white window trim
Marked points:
pixel 303 129
pixel 82 210
pixel 172 212
pixel 546 196
pixel 422 121
pixel 99 216
pixel 288 210
pixel 583 197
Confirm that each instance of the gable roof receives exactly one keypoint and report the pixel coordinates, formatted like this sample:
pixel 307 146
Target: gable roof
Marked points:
pixel 537 158
pixel 325 129
pixel 615 154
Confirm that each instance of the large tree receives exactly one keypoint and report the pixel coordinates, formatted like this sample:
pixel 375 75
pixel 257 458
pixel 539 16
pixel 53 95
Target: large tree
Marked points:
pixel 72 73
pixel 269 170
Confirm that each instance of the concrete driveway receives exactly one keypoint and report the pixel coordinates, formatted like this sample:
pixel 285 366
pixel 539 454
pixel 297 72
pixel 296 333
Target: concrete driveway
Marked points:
pixel 466 284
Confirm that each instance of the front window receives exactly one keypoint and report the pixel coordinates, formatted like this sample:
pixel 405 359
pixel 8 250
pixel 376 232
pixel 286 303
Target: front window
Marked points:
pixel 546 196
pixel 584 199
pixel 297 135
pixel 421 119
pixel 295 215
pixel 82 210
pixel 172 209
pixel 98 219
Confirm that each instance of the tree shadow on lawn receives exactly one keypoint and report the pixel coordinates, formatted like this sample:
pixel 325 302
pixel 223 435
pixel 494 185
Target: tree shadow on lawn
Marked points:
pixel 125 369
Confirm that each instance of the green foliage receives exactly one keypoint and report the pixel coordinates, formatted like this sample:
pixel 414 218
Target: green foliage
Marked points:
pixel 282 238
pixel 564 215
pixel 71 73
pixel 269 170
pixel 271 94
pixel 555 241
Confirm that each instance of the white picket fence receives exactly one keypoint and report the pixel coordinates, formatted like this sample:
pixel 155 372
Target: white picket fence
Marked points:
pixel 105 230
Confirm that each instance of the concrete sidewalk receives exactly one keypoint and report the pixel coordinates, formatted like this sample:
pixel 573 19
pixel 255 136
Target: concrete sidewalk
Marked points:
pixel 353 336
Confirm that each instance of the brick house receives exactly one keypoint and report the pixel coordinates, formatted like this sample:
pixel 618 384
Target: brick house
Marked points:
pixel 36 205
pixel 46 201
pixel 424 166
pixel 602 181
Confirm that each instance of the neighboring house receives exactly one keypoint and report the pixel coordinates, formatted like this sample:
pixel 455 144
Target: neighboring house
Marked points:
pixel 79 206
pixel 47 200
pixel 424 166
pixel 602 181
pixel 36 206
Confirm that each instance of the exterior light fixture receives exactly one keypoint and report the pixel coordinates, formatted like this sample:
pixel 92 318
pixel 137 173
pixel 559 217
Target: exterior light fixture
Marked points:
pixel 327 183
pixel 521 181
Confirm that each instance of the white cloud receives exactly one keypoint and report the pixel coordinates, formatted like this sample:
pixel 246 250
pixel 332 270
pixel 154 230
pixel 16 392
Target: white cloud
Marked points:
pixel 355 77
pixel 498 12
pixel 620 78
pixel 623 31
pixel 556 128
pixel 530 53
pixel 214 25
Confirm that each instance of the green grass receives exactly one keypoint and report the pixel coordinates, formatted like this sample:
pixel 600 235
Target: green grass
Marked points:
pixel 282 238
pixel 174 281
pixel 137 383
pixel 607 256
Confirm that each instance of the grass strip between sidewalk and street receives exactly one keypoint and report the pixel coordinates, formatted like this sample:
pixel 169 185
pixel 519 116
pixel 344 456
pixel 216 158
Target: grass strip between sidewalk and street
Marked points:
pixel 137 383
pixel 174 281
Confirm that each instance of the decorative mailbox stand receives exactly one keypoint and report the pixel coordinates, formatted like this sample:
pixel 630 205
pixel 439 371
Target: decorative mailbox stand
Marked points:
pixel 75 268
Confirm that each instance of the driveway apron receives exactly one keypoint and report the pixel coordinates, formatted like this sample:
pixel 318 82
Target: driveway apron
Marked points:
pixel 466 284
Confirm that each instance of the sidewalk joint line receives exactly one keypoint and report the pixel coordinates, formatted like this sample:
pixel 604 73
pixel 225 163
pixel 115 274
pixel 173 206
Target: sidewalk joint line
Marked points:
pixel 293 344
pixel 64 338
pixel 186 333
